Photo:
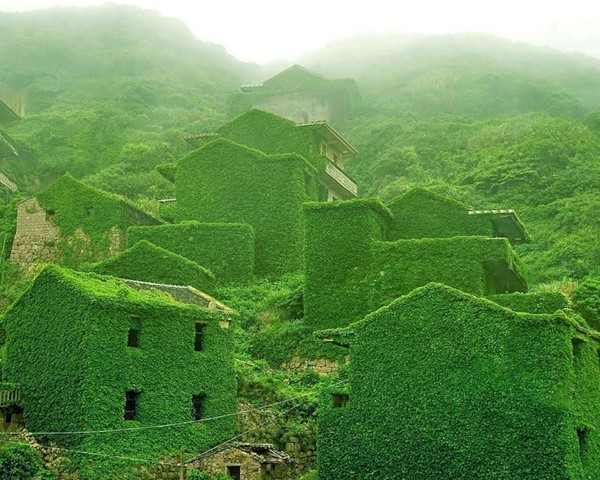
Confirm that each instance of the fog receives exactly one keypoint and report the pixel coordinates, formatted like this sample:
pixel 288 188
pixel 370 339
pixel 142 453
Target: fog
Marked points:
pixel 266 30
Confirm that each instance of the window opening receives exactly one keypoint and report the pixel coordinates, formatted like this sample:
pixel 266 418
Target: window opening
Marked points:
pixel 50 214
pixel 582 436
pixel 234 471
pixel 198 406
pixel 131 400
pixel 135 330
pixel 340 400
pixel 199 338
pixel 8 417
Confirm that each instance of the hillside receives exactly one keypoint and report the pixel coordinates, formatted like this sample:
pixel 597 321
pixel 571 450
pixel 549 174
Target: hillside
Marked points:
pixel 107 86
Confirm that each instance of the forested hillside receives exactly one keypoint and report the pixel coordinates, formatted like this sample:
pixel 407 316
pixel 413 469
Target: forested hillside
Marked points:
pixel 110 90
pixel 493 123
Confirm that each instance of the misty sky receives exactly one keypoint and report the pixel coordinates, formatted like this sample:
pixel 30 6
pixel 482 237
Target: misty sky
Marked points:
pixel 266 30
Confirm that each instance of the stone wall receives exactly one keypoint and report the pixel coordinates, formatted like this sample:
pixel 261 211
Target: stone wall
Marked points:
pixel 322 366
pixel 36 238
pixel 302 449
pixel 217 463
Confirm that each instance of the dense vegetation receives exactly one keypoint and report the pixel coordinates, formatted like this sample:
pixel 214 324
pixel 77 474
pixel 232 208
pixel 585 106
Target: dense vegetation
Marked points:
pixel 110 91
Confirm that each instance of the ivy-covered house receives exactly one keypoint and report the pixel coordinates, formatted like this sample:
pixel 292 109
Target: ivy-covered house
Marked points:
pixel 321 145
pixel 96 353
pixel 360 255
pixel 300 95
pixel 69 222
pixel 445 385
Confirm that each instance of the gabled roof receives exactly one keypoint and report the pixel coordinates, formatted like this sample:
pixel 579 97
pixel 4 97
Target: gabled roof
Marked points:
pixel 8 147
pixel 66 186
pixel 295 77
pixel 343 336
pixel 147 262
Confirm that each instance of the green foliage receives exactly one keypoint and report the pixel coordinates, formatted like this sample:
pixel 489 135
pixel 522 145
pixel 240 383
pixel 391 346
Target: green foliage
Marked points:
pixel 273 135
pixel 352 270
pixel 93 90
pixel 87 319
pixel 422 213
pixel 446 385
pixel 223 182
pixel 147 262
pixel 586 300
pixel 539 302
pixel 227 250
pixel 88 219
pixel 18 461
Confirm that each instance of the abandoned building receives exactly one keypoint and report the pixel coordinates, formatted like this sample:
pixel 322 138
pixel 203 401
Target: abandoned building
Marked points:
pixel 70 222
pixel 8 147
pixel 446 385
pixel 246 461
pixel 90 352
pixel 300 95
pixel 321 145
pixel 146 262
pixel 360 254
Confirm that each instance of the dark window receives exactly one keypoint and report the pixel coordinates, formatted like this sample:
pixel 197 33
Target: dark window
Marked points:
pixel 198 406
pixel 131 400
pixel 340 400
pixel 582 436
pixel 133 339
pixel 234 471
pixel 133 336
pixel 199 339
pixel 577 344
pixel 8 417
pixel 50 214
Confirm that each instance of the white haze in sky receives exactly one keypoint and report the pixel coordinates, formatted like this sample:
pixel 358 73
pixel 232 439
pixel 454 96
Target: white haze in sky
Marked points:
pixel 266 30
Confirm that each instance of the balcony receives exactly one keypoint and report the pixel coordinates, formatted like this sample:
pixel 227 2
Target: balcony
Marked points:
pixel 9 396
pixel 340 185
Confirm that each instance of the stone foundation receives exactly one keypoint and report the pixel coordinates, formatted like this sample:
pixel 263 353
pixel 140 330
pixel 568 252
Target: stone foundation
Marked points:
pixel 322 366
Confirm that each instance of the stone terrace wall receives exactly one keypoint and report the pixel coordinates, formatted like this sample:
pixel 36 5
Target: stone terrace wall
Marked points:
pixel 36 237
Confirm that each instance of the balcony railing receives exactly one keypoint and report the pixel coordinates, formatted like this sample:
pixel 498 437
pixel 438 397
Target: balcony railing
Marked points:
pixel 341 178
pixel 9 397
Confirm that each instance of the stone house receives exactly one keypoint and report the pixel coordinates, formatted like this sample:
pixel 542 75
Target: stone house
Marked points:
pixel 443 384
pixel 246 461
pixel 69 222
pixel 300 95
pixel 96 353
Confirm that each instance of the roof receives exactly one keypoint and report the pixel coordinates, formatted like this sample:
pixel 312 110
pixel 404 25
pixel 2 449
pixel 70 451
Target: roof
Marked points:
pixel 7 114
pixel 331 135
pixel 506 224
pixel 343 336
pixel 103 288
pixel 7 145
pixel 263 453
pixel 295 77
pixel 180 293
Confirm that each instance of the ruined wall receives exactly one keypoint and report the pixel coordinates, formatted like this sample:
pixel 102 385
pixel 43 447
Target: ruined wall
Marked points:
pixel 322 366
pixel 36 238
pixel 217 463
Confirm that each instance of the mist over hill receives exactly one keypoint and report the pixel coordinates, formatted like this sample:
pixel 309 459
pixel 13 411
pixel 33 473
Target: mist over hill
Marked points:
pixel 109 91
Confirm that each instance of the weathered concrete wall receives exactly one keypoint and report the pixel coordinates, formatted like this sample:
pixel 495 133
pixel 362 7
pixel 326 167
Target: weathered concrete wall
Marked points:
pixel 217 463
pixel 300 107
pixel 36 237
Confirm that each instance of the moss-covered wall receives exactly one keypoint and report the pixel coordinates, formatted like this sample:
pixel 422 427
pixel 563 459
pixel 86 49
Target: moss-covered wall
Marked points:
pixel 445 385
pixel 92 223
pixel 272 134
pixel 539 302
pixel 67 349
pixel 227 250
pixel 466 263
pixel 422 213
pixel 149 263
pixel 352 270
pixel 224 182
pixel 339 239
